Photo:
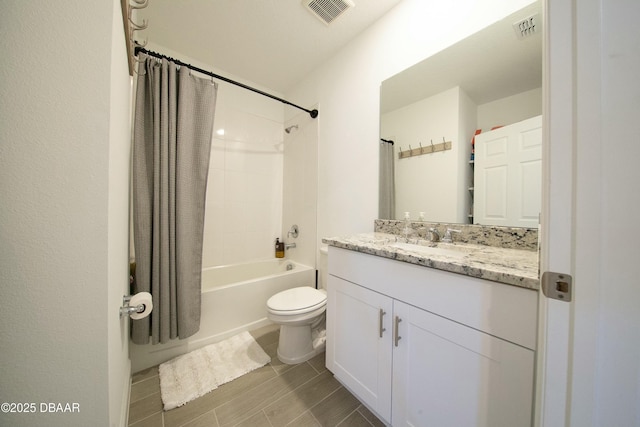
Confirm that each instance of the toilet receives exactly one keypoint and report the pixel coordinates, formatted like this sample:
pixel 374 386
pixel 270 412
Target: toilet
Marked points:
pixel 300 312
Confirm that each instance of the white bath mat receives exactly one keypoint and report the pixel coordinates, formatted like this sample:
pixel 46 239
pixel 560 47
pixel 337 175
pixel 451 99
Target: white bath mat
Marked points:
pixel 196 373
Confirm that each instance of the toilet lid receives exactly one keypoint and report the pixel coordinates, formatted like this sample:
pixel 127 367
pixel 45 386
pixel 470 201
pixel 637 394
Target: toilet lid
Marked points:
pixel 297 299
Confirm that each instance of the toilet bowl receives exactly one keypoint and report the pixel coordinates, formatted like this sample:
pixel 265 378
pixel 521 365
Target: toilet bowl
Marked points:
pixel 300 312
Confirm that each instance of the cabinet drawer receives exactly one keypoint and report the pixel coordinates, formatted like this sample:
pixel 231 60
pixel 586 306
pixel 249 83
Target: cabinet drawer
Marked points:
pixel 505 311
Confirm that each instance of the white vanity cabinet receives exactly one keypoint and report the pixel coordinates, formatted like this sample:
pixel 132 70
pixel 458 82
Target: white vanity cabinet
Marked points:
pixel 424 347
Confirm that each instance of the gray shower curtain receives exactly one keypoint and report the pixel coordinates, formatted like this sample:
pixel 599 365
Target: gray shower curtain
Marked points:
pixel 387 196
pixel 172 140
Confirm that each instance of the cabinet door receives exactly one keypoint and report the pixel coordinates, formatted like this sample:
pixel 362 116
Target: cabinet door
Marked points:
pixel 447 374
pixel 356 353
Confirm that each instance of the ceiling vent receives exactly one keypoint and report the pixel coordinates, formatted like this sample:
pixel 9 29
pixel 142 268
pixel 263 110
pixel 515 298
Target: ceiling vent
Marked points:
pixel 528 26
pixel 327 10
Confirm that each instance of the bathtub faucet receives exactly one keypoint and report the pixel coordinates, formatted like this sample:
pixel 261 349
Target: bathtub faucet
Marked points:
pixel 289 246
pixel 293 232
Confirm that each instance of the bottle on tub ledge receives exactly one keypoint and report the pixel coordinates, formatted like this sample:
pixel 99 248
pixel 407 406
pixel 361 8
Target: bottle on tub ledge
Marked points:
pixel 279 248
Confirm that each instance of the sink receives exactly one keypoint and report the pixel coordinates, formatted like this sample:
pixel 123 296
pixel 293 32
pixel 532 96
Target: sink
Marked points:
pixel 429 250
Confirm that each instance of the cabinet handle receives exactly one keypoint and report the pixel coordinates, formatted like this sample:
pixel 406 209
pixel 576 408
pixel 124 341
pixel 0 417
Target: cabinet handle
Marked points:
pixel 395 330
pixel 380 316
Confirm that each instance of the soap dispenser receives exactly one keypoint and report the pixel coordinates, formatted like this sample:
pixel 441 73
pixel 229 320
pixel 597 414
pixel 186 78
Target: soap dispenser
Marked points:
pixel 407 225
pixel 279 248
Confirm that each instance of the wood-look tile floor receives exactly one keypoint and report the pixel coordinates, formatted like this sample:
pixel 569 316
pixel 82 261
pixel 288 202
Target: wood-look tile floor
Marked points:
pixel 272 396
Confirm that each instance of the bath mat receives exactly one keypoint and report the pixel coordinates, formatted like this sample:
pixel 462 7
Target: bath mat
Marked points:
pixel 196 373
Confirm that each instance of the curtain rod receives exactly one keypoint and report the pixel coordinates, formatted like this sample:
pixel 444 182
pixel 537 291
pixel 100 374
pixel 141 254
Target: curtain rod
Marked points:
pixel 312 113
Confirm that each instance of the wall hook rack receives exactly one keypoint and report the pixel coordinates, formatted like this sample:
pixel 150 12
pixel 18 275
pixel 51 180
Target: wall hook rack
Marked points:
pixel 433 148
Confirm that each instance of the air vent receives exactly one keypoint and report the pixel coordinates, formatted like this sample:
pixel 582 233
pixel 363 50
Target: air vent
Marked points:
pixel 528 26
pixel 327 10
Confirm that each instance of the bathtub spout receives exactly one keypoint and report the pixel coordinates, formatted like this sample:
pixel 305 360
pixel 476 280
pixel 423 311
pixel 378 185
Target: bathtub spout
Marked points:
pixel 289 246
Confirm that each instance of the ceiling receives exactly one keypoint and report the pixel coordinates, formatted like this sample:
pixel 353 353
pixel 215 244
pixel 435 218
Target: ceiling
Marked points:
pixel 271 43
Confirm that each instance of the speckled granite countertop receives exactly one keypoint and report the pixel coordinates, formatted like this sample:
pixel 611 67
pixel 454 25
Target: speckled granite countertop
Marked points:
pixel 510 266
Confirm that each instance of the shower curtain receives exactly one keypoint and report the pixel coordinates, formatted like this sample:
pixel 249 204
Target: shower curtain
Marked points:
pixel 386 176
pixel 171 145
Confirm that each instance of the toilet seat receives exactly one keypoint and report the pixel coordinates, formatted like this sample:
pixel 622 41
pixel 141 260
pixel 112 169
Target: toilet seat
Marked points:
pixel 296 301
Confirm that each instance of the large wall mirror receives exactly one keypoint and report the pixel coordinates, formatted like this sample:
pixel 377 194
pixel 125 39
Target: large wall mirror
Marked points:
pixel 491 79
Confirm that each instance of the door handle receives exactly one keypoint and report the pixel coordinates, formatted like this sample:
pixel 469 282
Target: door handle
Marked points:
pixel 396 331
pixel 380 316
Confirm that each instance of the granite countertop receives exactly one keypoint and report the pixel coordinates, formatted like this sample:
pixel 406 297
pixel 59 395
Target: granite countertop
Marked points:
pixel 510 266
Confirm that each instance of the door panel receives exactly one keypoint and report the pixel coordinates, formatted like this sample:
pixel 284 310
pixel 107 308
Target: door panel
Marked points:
pixel 357 355
pixel 437 359
pixel 508 175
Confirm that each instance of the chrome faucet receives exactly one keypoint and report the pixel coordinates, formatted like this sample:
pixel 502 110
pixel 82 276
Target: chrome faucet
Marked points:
pixel 448 237
pixel 289 246
pixel 435 235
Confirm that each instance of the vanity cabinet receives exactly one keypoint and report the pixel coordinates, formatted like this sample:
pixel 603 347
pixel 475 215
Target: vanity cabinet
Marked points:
pixel 424 347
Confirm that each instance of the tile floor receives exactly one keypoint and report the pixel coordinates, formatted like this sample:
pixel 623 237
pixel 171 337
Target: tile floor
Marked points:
pixel 272 396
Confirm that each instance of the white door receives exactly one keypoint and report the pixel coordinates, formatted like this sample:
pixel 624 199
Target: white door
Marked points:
pixel 527 174
pixel 589 349
pixel 507 175
pixel 359 342
pixel 435 363
pixel 556 219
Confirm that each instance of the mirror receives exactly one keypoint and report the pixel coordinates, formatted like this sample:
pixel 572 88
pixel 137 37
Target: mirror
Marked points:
pixel 492 78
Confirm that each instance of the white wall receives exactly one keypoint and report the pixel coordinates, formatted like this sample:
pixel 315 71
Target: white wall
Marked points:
pixel 243 213
pixel 300 187
pixel 118 213
pixel 347 90
pixel 509 110
pixel 61 223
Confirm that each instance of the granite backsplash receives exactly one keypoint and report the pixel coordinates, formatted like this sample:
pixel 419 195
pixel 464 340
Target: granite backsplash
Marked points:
pixel 501 237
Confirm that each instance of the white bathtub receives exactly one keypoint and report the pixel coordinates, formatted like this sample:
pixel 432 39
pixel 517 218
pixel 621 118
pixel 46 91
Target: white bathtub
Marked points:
pixel 234 299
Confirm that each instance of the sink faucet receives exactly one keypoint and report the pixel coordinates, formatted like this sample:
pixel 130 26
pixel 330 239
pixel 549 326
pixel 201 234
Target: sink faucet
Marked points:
pixel 435 235
pixel 448 237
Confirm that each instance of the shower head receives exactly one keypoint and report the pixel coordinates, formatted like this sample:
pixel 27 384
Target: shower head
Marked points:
pixel 290 128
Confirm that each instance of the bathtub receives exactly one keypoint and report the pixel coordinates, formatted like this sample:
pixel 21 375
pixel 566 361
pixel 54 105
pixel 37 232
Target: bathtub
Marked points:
pixel 234 299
